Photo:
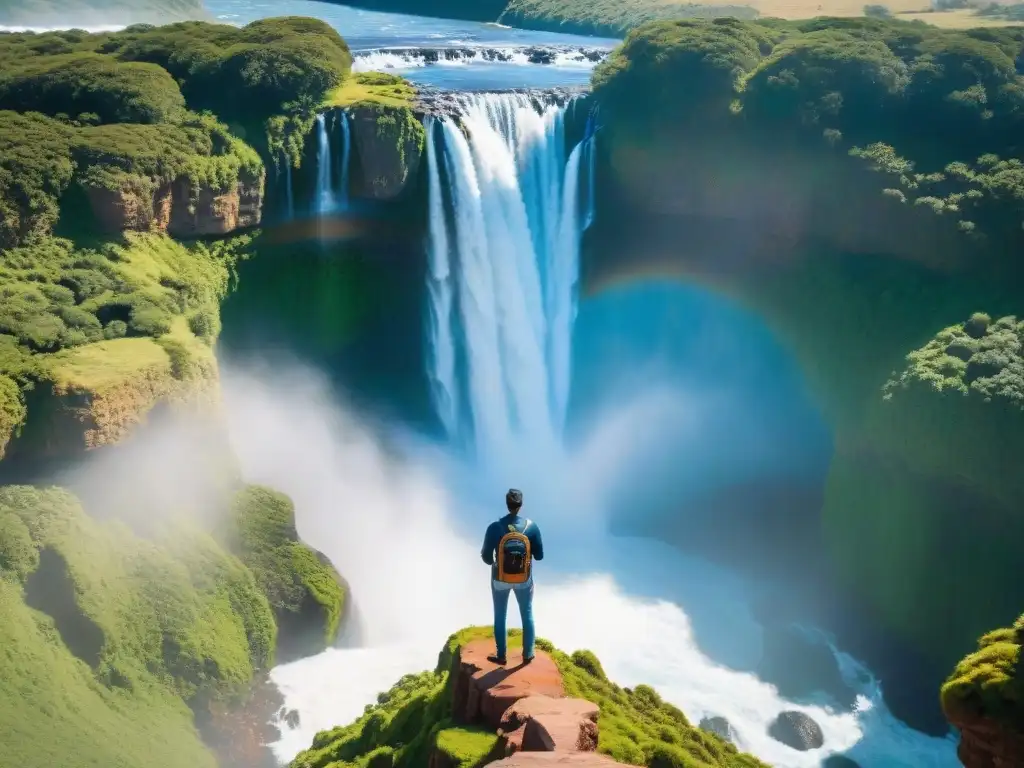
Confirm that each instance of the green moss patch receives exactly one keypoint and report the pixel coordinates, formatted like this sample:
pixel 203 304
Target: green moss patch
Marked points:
pixel 305 592
pixel 363 88
pixel 414 716
pixel 989 683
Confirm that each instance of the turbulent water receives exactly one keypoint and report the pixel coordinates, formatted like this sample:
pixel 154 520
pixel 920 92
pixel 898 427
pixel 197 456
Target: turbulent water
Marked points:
pixel 508 200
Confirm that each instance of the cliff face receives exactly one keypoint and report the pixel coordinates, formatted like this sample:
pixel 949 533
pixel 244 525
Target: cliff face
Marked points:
pixel 984 699
pixel 178 210
pixel 388 142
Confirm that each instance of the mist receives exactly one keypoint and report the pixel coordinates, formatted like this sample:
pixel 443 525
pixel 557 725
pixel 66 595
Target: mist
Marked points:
pixel 402 519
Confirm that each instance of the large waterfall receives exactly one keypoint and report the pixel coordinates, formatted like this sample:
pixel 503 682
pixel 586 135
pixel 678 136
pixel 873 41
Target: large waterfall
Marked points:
pixel 506 215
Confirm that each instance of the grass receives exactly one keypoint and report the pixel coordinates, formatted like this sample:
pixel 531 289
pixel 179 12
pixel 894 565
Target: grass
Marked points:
pixel 122 632
pixel 989 683
pixel 414 716
pixel 288 572
pixel 363 88
pixel 103 366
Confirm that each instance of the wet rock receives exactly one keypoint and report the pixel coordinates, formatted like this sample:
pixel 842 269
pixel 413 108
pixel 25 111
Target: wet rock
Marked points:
pixel 720 727
pixel 797 730
pixel 290 718
pixel 839 761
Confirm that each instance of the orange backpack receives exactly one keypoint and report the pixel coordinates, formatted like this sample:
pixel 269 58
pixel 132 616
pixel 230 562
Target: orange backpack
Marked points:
pixel 514 558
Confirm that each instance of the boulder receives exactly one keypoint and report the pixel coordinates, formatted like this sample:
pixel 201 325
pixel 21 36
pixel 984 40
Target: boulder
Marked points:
pixel 797 730
pixel 545 724
pixel 720 727
pixel 839 761
pixel 483 691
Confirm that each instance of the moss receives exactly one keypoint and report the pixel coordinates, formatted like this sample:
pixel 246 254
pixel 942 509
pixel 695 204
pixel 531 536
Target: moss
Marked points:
pixel 989 683
pixel 637 727
pixel 306 593
pixel 366 88
pixel 12 411
pixel 173 617
pixel 466 747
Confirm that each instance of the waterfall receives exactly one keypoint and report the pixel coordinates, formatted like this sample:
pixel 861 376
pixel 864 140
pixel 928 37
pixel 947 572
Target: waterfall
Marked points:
pixel 343 164
pixel 323 197
pixel 289 201
pixel 503 270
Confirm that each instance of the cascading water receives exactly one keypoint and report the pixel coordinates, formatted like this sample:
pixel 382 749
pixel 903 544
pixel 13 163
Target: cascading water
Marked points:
pixel 341 193
pixel 323 197
pixel 506 262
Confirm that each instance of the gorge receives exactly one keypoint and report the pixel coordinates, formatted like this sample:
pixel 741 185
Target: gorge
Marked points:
pixel 514 288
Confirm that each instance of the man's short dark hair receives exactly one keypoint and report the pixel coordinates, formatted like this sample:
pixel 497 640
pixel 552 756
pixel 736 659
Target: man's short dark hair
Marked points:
pixel 513 499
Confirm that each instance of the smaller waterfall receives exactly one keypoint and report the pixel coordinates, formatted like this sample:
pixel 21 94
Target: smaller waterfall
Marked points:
pixel 289 199
pixel 341 194
pixel 323 198
pixel 590 143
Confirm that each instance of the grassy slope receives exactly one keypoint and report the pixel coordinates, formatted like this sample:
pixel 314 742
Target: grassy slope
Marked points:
pixel 152 622
pixel 636 726
pixel 306 594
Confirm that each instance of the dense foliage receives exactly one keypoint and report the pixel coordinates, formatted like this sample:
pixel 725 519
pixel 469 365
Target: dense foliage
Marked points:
pixel 413 718
pixel 133 110
pixel 611 18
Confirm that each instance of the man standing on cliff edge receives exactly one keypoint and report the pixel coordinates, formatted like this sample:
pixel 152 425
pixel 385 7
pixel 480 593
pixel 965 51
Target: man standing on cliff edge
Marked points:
pixel 510 546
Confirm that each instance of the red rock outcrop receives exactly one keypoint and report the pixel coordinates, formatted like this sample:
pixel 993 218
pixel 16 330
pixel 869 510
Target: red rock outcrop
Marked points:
pixel 526 704
pixel 989 744
pixel 172 208
pixel 483 691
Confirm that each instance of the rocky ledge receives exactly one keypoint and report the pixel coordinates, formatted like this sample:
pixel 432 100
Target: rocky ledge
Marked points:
pixel 527 707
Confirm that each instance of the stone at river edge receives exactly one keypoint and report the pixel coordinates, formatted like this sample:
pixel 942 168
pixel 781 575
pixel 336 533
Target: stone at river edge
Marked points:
pixel 797 730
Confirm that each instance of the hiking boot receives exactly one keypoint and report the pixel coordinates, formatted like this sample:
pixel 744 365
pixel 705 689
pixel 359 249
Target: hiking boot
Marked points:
pixel 500 660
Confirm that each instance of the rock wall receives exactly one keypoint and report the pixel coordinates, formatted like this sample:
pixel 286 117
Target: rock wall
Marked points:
pixel 177 209
pixel 388 143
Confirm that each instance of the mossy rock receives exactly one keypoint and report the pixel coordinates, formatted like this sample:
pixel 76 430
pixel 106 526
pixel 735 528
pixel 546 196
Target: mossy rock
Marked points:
pixel 636 726
pixel 989 683
pixel 305 591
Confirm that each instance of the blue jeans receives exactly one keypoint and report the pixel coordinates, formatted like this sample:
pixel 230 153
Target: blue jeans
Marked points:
pixel 524 596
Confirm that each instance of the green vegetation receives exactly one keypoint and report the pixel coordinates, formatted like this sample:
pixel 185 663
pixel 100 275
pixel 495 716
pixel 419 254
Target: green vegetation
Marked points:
pixel 989 683
pixel 85 319
pixel 373 88
pixel 134 111
pixel 107 636
pixel 414 717
pixel 611 18
pixel 305 593
pixel 875 164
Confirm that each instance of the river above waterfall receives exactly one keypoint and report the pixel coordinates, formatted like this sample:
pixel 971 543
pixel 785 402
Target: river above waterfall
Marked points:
pixel 486 56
